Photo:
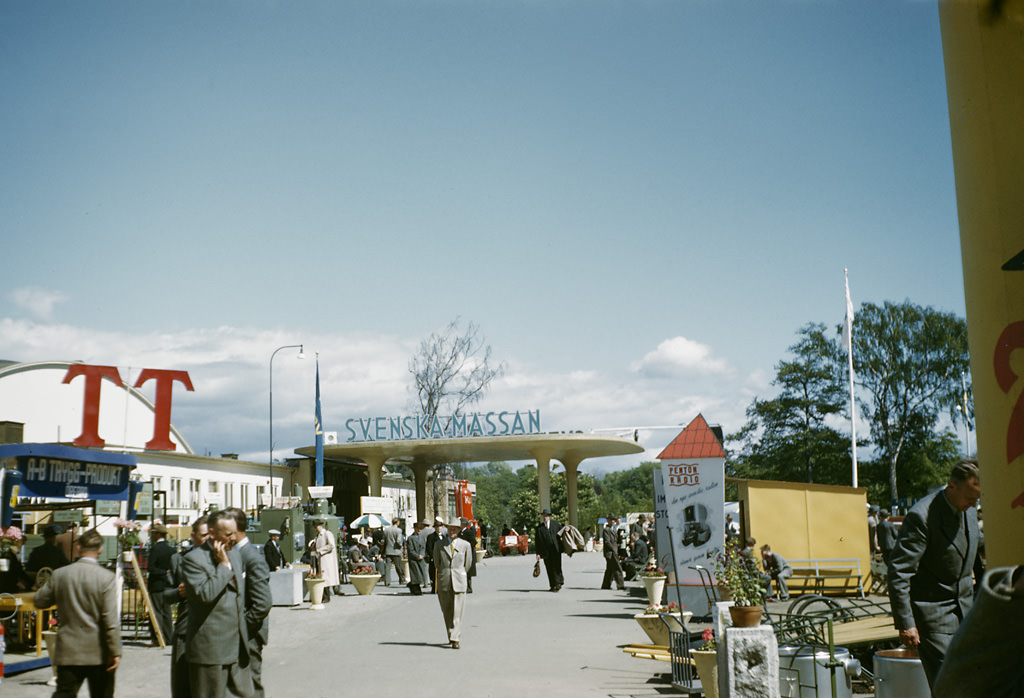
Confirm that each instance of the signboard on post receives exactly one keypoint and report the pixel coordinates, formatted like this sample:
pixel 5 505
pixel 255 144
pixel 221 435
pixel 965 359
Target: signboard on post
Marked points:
pixel 691 510
pixel 323 492
pixel 385 506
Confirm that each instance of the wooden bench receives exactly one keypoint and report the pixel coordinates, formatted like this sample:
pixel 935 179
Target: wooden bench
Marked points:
pixel 826 576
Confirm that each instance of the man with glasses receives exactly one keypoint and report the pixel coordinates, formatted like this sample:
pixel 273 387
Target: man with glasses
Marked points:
pixel 217 641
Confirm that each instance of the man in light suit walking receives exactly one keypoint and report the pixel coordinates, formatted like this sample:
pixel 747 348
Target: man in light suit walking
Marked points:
pixel 258 601
pixel 394 539
pixel 929 579
pixel 89 635
pixel 452 560
pixel 217 643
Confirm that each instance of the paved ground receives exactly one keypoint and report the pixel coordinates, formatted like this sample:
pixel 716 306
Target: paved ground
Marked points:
pixel 518 640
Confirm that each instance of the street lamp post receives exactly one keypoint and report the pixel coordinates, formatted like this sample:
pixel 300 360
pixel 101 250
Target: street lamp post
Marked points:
pixel 301 355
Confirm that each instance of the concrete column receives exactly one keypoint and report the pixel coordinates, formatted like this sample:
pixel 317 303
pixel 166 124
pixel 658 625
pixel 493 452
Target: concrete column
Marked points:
pixel 543 479
pixel 419 471
pixel 375 473
pixel 748 660
pixel 571 466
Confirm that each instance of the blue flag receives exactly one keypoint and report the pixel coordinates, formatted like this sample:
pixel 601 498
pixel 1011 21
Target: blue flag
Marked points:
pixel 319 432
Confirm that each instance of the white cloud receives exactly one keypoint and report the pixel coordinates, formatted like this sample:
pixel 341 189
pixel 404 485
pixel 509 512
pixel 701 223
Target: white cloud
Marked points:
pixel 366 375
pixel 38 301
pixel 680 356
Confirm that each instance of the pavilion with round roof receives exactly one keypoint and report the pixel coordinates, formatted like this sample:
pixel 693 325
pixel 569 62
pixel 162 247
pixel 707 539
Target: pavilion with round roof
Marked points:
pixel 420 455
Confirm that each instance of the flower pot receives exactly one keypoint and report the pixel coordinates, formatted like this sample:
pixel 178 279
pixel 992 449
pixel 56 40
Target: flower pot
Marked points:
pixel 724 593
pixel 655 586
pixel 656 629
pixel 707 671
pixel 126 555
pixel 5 564
pixel 479 555
pixel 316 587
pixel 364 583
pixel 745 616
pixel 50 637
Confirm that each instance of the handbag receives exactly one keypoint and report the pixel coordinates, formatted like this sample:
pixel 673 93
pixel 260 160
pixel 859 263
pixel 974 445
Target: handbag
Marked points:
pixel 536 569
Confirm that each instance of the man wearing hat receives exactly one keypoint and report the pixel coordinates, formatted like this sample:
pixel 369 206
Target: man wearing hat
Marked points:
pixel 272 551
pixel 47 554
pixel 452 559
pixel 610 546
pixel 160 553
pixel 416 549
pixel 437 534
pixel 549 547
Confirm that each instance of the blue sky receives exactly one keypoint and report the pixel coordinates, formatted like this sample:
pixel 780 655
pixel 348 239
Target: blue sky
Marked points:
pixel 639 203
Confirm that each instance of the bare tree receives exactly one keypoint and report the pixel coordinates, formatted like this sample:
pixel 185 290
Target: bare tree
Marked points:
pixel 451 370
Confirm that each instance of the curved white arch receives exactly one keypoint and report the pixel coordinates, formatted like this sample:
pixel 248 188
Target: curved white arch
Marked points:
pixel 12 369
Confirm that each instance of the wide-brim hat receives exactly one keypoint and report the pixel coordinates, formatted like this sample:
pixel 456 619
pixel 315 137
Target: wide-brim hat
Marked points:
pixel 545 512
pixel 273 532
pixel 438 521
pixel 158 528
pixel 455 523
pixel 52 530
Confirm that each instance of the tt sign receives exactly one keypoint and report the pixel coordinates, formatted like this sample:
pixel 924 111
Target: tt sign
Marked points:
pixel 93 376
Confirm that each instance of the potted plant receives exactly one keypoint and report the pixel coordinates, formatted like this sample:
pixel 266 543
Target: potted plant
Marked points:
pixel 50 638
pixel 364 578
pixel 11 540
pixel 705 659
pixel 655 626
pixel 127 537
pixel 739 572
pixel 653 578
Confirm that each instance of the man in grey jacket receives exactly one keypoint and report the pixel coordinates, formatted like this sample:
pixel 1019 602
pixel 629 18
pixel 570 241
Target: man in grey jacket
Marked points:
pixel 89 635
pixel 929 579
pixel 258 601
pixel 394 539
pixel 217 643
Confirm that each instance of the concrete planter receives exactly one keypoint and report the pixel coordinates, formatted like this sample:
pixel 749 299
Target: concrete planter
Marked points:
pixel 707 671
pixel 655 587
pixel 316 593
pixel 364 583
pixel 656 629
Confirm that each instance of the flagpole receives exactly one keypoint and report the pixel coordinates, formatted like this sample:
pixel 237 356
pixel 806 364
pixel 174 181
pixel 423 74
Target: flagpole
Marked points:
pixel 319 430
pixel 848 336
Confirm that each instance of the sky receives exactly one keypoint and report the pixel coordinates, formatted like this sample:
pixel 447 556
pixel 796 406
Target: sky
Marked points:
pixel 638 203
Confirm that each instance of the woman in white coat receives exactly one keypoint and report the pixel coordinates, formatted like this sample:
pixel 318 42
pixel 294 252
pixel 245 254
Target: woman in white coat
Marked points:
pixel 327 552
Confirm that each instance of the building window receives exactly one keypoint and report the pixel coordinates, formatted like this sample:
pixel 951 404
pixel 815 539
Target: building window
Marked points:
pixel 193 494
pixel 261 491
pixel 174 495
pixel 244 497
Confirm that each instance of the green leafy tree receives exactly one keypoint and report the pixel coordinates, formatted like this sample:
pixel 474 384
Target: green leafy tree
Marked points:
pixel 908 362
pixel 629 490
pixel 496 485
pixel 789 436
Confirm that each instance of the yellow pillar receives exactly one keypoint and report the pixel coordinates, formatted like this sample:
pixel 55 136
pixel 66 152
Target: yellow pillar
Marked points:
pixel 543 479
pixel 571 467
pixel 419 471
pixel 984 57
pixel 375 473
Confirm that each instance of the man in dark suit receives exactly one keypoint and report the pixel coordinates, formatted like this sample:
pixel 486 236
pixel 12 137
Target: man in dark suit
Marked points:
pixel 432 538
pixel 89 636
pixel 258 601
pixel 176 595
pixel 929 579
pixel 468 534
pixel 272 551
pixel 47 554
pixel 610 548
pixel 549 547
pixel 887 535
pixel 639 554
pixel 217 643
pixel 394 540
pixel 160 553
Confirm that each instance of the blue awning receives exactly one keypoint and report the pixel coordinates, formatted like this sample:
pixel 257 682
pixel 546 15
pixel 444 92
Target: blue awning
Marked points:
pixel 63 472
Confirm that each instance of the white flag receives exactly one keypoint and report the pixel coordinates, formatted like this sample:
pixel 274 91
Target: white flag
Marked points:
pixel 848 322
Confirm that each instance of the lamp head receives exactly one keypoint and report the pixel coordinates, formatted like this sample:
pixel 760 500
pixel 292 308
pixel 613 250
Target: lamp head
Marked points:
pixel 302 354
